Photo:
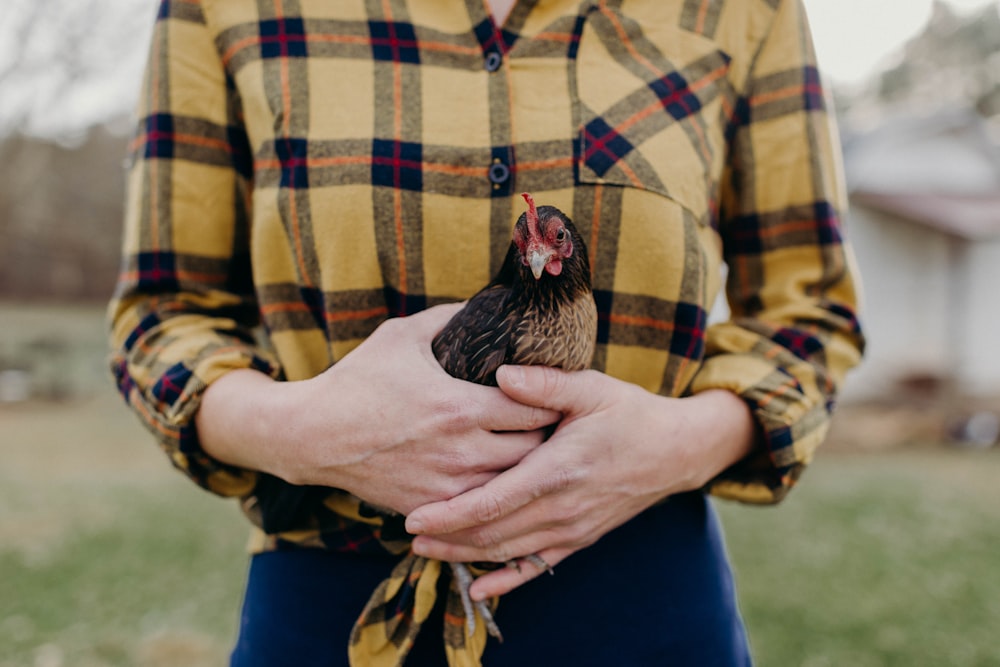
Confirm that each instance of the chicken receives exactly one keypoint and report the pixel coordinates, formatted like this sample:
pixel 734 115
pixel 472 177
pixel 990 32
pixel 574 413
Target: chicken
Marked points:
pixel 538 310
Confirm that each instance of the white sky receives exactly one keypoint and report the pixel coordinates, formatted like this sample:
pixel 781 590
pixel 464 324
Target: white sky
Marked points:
pixel 853 37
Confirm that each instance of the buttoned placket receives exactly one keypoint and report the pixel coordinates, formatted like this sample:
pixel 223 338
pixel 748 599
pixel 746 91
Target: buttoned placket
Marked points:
pixel 495 46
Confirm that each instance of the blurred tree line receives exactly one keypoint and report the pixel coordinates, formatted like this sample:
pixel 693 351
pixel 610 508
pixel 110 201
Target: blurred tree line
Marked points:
pixel 60 217
pixel 69 73
pixel 955 58
pixel 954 63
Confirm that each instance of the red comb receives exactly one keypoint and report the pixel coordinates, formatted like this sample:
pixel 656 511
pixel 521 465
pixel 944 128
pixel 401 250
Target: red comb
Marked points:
pixel 532 211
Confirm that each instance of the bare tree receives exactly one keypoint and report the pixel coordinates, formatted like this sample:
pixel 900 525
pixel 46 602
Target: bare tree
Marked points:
pixel 65 67
pixel 69 64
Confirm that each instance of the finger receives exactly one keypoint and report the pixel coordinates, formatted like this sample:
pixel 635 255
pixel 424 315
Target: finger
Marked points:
pixel 504 494
pixel 551 388
pixel 496 452
pixel 486 545
pixel 474 507
pixel 499 412
pixel 504 580
pixel 430 321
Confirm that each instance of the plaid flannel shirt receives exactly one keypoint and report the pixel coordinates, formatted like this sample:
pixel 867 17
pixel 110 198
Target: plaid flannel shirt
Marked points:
pixel 319 167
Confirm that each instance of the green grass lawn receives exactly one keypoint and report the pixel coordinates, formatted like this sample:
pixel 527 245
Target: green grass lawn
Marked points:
pixel 156 585
pixel 109 557
pixel 876 560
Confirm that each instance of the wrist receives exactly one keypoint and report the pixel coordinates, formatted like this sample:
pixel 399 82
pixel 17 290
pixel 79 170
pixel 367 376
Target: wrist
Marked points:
pixel 297 431
pixel 239 418
pixel 722 433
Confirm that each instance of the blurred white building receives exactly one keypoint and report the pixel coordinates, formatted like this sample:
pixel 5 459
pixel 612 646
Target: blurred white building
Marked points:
pixel 925 226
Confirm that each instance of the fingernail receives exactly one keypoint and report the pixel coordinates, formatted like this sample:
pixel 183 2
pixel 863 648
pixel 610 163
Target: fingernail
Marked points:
pixel 414 526
pixel 514 375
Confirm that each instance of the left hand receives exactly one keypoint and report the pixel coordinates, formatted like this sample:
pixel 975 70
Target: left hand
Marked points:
pixel 618 450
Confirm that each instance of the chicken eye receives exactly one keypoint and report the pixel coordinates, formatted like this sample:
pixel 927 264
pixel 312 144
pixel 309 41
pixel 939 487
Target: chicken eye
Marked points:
pixel 561 235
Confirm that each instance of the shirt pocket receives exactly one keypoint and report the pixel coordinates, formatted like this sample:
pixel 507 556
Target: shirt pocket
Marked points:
pixel 651 106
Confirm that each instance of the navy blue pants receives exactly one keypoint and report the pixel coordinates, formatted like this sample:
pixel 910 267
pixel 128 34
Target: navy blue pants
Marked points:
pixel 656 591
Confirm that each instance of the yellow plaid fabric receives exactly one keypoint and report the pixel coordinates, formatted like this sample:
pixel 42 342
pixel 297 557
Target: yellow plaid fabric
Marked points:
pixel 318 167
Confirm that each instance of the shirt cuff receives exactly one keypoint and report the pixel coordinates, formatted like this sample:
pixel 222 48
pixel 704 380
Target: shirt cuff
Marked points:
pixel 790 426
pixel 167 403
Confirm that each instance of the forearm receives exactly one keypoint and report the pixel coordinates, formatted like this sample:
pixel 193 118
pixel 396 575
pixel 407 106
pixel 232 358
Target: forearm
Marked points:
pixel 299 431
pixel 723 432
pixel 385 423
pixel 239 421
pixel 305 432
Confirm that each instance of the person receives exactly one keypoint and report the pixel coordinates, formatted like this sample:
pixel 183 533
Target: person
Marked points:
pixel 314 187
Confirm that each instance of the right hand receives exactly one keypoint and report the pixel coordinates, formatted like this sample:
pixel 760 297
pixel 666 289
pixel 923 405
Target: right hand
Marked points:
pixel 386 422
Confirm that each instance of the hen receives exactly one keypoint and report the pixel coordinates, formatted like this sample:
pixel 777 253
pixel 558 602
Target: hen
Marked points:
pixel 538 310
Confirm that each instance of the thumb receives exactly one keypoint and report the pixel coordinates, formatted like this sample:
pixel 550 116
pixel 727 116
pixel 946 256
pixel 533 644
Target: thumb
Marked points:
pixel 552 388
pixel 430 321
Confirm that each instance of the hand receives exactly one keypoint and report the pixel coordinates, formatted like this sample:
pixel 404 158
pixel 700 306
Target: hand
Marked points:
pixel 618 450
pixel 386 422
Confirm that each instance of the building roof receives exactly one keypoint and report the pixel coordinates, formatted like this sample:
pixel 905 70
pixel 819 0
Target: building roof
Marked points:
pixel 941 170
pixel 972 217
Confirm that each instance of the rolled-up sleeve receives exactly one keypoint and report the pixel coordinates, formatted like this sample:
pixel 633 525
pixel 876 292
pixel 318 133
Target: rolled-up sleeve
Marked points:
pixel 793 331
pixel 184 311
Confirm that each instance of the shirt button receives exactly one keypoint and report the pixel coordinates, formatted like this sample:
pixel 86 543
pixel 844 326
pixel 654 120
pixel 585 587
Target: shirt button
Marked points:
pixel 493 61
pixel 499 173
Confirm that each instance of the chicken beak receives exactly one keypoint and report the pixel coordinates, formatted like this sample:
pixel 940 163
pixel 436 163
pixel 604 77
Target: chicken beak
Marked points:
pixel 537 259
